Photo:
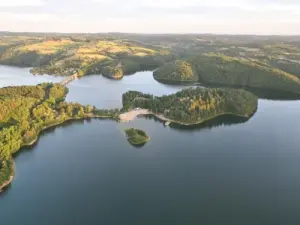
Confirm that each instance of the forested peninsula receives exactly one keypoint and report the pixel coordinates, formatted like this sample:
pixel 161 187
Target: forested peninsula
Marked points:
pixel 25 111
pixel 219 69
pixel 193 105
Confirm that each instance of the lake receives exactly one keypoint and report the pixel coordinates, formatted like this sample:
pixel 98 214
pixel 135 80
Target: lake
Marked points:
pixel 107 93
pixel 10 76
pixel 228 172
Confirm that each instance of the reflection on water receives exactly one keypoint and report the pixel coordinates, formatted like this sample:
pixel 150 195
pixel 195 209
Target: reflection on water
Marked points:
pixel 5 190
pixel 103 92
pixel 223 120
pixel 107 93
pixel 274 95
pixel 52 129
pixel 262 93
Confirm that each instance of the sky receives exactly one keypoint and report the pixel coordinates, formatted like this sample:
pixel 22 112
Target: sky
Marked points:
pixel 264 17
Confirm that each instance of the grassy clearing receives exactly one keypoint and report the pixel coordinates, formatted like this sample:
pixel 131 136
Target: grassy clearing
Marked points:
pixel 47 47
pixel 123 47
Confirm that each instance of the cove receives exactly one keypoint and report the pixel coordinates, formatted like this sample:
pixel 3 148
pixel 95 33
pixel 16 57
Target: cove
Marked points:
pixel 11 76
pixel 228 172
pixel 107 93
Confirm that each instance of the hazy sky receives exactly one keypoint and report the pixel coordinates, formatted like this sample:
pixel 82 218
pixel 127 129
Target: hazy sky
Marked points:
pixel 152 16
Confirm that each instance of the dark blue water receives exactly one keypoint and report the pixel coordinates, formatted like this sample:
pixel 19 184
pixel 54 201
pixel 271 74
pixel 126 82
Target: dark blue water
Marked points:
pixel 86 172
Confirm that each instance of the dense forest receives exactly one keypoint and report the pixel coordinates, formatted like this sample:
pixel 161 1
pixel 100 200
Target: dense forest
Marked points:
pixel 219 69
pixel 194 105
pixel 27 110
pixel 177 71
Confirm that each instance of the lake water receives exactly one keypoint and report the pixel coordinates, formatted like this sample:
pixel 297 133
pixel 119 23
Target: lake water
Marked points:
pixel 10 76
pixel 86 172
pixel 107 93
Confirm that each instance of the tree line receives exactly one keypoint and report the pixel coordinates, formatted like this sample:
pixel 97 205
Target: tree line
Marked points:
pixel 219 69
pixel 194 105
pixel 27 110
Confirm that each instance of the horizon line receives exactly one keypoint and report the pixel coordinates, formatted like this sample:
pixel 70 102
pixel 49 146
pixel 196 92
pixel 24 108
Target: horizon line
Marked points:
pixel 154 33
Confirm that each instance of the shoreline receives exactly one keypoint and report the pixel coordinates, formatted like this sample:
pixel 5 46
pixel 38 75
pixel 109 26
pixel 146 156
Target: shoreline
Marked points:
pixel 253 89
pixel 139 144
pixel 134 143
pixel 5 184
pixel 11 177
pixel 133 114
pixel 205 84
pixel 32 142
pixel 57 124
pixel 176 82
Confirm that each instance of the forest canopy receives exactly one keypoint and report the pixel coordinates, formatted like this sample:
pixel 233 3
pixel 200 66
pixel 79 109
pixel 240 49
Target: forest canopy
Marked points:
pixel 27 110
pixel 194 105
pixel 136 136
pixel 218 69
pixel 177 71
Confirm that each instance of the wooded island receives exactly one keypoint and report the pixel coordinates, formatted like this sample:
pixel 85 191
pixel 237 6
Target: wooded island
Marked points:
pixel 136 137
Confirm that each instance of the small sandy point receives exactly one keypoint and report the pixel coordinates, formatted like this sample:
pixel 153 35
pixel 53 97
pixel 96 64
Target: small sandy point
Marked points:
pixel 133 114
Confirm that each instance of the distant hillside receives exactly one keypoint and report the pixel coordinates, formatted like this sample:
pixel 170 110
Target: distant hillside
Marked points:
pixel 69 55
pixel 219 69
pixel 268 62
pixel 177 71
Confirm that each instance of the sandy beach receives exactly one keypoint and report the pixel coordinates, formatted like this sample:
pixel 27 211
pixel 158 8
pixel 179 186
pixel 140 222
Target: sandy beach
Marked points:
pixel 133 114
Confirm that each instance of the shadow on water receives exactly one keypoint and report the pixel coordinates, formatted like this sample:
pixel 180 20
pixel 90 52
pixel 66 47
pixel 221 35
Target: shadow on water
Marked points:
pixel 223 120
pixel 52 129
pixel 138 146
pixel 261 93
pixel 274 95
pixel 5 190
pixel 49 130
pixel 151 70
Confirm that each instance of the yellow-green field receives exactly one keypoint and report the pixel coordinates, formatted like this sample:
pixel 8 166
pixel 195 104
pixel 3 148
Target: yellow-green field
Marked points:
pixel 47 47
pixel 68 55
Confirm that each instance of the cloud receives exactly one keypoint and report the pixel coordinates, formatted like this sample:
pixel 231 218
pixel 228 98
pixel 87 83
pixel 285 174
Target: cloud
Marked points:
pixel 198 16
pixel 252 4
pixel 101 1
pixel 36 17
pixel 18 3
